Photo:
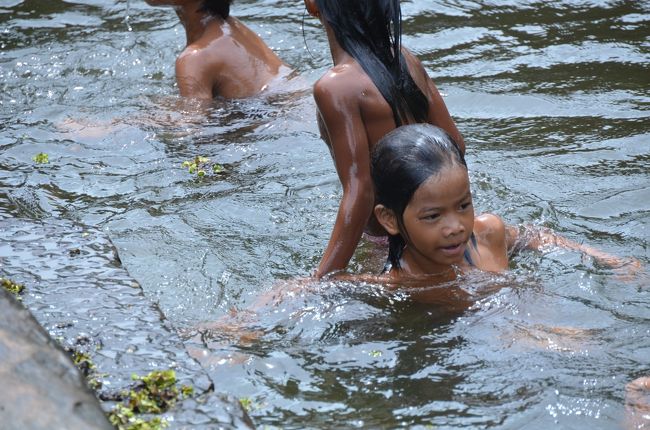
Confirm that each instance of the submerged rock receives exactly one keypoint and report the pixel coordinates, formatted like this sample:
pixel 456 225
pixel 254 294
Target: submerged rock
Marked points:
pixel 77 289
pixel 41 387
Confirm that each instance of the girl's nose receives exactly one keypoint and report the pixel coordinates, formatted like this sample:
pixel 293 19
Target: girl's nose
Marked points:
pixel 454 226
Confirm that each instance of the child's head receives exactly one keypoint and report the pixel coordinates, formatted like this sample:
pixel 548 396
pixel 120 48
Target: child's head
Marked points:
pixel 377 21
pixel 420 168
pixel 371 32
pixel 219 8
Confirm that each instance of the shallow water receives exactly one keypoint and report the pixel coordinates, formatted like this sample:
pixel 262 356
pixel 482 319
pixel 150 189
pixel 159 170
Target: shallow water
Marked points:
pixel 552 98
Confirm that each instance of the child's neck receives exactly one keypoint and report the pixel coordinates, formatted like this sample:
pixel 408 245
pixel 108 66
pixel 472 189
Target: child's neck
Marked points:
pixel 196 22
pixel 339 55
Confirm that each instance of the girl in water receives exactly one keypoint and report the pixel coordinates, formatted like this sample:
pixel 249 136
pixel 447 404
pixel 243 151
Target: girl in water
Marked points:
pixel 223 57
pixel 424 202
pixel 374 86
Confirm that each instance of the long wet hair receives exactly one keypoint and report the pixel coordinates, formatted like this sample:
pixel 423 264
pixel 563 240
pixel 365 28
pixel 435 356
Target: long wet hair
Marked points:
pixel 400 162
pixel 217 8
pixel 371 32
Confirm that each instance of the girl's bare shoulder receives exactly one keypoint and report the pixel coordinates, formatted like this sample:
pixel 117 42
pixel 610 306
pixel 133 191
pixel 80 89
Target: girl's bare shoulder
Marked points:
pixel 489 224
pixel 489 227
pixel 343 81
pixel 490 232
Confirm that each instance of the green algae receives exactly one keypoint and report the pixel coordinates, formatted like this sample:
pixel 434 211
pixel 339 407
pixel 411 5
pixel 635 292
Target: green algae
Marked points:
pixel 155 393
pixel 200 165
pixel 13 287
pixel 246 403
pixel 83 361
pixel 124 418
pixel 41 158
pixel 249 405
pixel 86 366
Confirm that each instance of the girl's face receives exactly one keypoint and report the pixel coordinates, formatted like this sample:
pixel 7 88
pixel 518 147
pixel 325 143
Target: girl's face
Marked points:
pixel 438 220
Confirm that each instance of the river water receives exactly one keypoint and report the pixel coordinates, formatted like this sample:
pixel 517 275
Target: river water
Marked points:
pixel 552 98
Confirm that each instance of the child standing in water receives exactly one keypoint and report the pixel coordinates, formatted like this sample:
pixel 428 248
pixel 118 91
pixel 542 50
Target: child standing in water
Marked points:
pixel 424 202
pixel 223 57
pixel 374 86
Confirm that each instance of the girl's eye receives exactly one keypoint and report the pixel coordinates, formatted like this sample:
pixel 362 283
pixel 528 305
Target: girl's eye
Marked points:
pixel 431 216
pixel 465 205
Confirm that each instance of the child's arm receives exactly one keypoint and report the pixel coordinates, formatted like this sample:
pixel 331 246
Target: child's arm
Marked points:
pixel 542 239
pixel 349 145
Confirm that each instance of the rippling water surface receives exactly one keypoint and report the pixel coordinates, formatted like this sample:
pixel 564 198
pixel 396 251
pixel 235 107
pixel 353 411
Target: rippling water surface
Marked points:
pixel 552 98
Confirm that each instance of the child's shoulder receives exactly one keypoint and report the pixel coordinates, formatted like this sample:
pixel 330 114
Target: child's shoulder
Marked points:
pixel 343 80
pixel 490 232
pixel 489 228
pixel 214 46
pixel 194 54
pixel 489 223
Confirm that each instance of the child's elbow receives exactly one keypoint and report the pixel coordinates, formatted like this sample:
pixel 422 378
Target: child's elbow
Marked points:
pixel 360 194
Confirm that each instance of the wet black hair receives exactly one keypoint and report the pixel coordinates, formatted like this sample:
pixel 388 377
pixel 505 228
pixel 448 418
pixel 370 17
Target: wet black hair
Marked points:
pixel 217 7
pixel 371 32
pixel 400 162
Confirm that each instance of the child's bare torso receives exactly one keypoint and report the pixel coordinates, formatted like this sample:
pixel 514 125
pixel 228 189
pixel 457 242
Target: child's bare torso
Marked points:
pixel 228 60
pixel 359 97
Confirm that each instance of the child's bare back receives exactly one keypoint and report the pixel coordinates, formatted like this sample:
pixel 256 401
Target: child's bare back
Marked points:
pixel 222 57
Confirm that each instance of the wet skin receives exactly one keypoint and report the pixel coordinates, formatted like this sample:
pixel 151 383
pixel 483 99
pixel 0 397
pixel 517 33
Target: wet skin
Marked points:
pixel 222 57
pixel 437 224
pixel 352 117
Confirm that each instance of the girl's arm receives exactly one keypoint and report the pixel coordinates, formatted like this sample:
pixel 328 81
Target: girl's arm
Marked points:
pixel 543 239
pixel 348 142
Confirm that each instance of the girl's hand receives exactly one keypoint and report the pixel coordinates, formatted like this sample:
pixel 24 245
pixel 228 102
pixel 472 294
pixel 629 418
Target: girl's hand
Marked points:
pixel 624 268
pixel 543 239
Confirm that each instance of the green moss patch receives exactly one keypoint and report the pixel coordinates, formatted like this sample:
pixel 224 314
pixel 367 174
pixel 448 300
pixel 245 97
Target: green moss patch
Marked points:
pixel 11 286
pixel 41 158
pixel 199 166
pixel 154 393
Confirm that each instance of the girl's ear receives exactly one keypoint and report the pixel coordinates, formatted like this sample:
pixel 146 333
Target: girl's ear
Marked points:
pixel 312 8
pixel 387 219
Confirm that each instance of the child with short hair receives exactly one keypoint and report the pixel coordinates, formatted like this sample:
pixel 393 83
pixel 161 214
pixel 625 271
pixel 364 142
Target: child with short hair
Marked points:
pixel 223 57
